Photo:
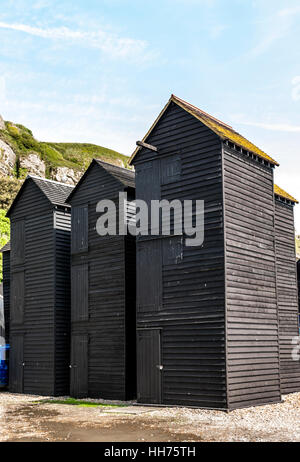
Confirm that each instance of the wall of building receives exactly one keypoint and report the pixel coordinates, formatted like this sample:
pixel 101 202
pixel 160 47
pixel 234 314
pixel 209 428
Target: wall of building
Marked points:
pixel 287 290
pixel 181 289
pixel 251 311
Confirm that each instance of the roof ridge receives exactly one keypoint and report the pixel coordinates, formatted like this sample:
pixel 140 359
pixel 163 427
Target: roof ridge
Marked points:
pixel 34 177
pixel 205 114
pixel 223 131
pixel 115 166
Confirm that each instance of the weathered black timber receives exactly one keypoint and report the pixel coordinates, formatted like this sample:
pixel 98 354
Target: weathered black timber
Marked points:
pixel 287 288
pixel 40 288
pixel 298 277
pixel 103 348
pixel 207 317
pixel 251 297
pixel 6 288
pixel 180 290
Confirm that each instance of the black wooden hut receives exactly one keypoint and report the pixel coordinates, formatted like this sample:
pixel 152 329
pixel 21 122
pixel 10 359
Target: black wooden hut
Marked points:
pixel 6 287
pixel 287 289
pixel 103 357
pixel 298 277
pixel 40 288
pixel 207 316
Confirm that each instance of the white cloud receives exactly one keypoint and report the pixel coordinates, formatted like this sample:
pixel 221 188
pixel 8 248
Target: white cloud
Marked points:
pixel 296 88
pixel 274 28
pixel 107 42
pixel 289 11
pixel 279 127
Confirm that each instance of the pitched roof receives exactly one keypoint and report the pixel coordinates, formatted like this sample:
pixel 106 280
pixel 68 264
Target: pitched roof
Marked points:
pixel 6 247
pixel 124 176
pixel 127 177
pixel 224 131
pixel 54 191
pixel 282 193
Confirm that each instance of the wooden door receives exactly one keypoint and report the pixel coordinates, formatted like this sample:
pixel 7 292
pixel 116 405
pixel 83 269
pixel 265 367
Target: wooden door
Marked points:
pixel 79 366
pixel 149 367
pixel 16 364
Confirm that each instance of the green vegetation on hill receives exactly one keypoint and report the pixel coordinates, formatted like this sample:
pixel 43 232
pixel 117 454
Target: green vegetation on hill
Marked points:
pixel 72 155
pixel 76 156
pixel 9 186
pixel 80 155
pixel 4 236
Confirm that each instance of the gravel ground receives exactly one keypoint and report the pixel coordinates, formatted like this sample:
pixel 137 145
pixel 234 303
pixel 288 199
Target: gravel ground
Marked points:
pixel 26 418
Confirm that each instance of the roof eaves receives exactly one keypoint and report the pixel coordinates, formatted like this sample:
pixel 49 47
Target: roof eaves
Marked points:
pixel 285 195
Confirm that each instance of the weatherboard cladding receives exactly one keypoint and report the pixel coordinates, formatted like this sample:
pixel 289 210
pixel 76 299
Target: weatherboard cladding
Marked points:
pixel 298 277
pixel 287 289
pixel 41 331
pixel 6 288
pixel 104 320
pixel 212 309
pixel 182 291
pixel 251 298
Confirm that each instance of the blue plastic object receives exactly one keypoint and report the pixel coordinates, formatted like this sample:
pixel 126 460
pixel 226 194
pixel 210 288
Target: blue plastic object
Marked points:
pixel 4 366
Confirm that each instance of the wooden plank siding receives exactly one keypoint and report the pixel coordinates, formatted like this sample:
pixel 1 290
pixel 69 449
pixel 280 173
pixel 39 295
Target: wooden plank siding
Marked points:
pixel 108 319
pixel 6 293
pixel 298 277
pixel 287 289
pixel 190 308
pixel 251 297
pixel 45 317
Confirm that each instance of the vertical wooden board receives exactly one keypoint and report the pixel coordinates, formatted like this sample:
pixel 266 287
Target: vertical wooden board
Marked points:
pixel 79 366
pixel 80 230
pixel 130 316
pixel 62 301
pixel 80 293
pixel 148 181
pixel 16 367
pixel 149 276
pixel 18 242
pixel 17 297
pixel 148 366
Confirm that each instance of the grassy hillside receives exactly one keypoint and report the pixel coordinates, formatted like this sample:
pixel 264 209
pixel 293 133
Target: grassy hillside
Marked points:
pixel 72 155
pixel 79 155
pixel 76 156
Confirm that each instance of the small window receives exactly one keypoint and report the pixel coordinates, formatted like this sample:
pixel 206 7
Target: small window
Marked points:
pixel 80 229
pixel 171 169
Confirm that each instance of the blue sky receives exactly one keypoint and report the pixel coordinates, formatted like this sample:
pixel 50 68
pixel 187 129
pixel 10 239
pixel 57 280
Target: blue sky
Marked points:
pixel 101 70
